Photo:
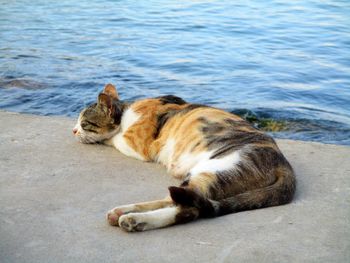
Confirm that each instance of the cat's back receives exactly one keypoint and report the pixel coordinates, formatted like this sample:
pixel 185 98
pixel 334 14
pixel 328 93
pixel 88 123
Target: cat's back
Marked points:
pixel 206 123
pixel 191 133
pixel 176 129
pixel 153 106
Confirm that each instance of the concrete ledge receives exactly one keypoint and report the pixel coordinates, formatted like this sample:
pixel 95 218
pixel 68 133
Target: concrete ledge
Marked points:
pixel 54 193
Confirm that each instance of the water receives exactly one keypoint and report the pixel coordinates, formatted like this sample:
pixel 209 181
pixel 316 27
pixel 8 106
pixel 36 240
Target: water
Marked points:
pixel 286 61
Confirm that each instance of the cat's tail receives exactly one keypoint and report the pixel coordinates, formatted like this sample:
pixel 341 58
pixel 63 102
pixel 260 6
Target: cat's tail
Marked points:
pixel 279 193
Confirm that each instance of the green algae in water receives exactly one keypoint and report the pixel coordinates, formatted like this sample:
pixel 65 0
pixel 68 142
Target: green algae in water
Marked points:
pixel 265 124
pixel 271 125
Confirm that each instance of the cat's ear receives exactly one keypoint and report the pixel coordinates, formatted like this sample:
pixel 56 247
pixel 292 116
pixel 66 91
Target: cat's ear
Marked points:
pixel 107 102
pixel 104 99
pixel 111 91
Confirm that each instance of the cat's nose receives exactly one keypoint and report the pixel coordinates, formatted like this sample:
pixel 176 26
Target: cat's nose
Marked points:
pixel 75 130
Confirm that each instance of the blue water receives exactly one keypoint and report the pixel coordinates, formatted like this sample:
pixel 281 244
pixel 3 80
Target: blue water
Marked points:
pixel 285 60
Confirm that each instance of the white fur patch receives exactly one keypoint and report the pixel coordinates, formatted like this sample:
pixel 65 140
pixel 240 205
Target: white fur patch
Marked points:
pixel 120 143
pixel 152 219
pixel 160 217
pixel 207 165
pixel 195 163
pixel 187 161
pixel 129 118
pixel 166 153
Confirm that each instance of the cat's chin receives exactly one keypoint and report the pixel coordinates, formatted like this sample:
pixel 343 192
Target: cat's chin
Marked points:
pixel 93 138
pixel 87 140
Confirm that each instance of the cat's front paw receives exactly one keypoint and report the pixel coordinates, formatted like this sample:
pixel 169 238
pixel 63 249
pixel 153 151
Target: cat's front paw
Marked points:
pixel 130 223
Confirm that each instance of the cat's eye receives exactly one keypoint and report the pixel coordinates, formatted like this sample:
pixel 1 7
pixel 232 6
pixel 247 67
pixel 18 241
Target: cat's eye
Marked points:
pixel 87 123
pixel 89 126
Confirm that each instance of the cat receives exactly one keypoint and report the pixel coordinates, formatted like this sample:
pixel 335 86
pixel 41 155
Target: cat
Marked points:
pixel 224 163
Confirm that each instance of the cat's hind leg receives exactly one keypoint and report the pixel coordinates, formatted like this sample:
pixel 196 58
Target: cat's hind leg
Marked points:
pixel 114 214
pixel 157 218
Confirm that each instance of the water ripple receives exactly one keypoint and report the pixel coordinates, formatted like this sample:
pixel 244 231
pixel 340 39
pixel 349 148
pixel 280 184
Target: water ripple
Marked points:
pixel 286 59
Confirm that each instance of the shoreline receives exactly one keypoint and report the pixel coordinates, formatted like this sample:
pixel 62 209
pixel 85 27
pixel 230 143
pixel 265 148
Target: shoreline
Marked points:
pixel 272 133
pixel 55 192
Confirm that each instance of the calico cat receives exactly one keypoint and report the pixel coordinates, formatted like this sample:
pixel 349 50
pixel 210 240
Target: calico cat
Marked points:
pixel 225 164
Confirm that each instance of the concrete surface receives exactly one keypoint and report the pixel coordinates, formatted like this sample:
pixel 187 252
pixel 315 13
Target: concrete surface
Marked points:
pixel 54 193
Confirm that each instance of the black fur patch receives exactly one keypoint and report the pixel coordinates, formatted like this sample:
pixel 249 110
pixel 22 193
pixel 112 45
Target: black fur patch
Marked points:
pixel 186 215
pixel 171 99
pixel 188 197
pixel 182 196
pixel 119 107
pixel 161 121
pixel 164 117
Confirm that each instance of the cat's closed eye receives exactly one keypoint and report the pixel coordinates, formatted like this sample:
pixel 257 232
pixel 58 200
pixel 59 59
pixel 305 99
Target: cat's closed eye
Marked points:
pixel 89 126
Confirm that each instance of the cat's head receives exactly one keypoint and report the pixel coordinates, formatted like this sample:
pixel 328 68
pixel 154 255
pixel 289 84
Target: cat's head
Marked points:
pixel 100 121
